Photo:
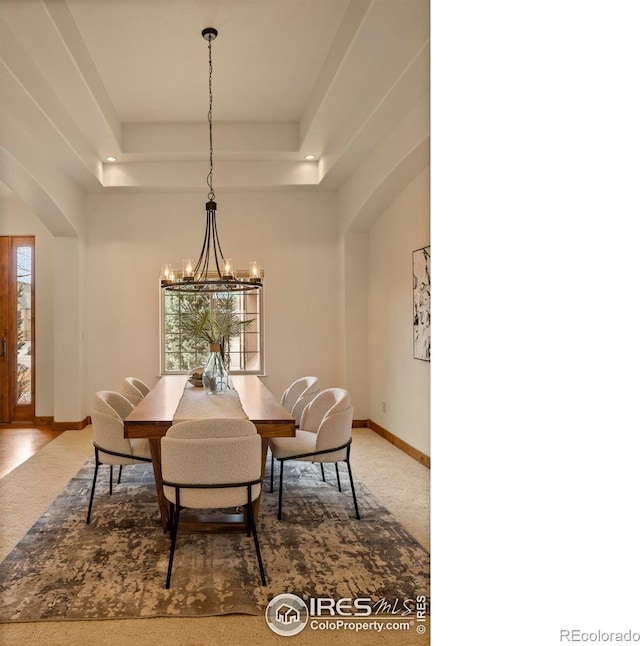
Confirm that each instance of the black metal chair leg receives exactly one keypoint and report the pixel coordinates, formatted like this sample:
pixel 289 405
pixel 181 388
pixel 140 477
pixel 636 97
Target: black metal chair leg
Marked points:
pixel 93 487
pixel 272 461
pixel 353 489
pixel 110 479
pixel 175 520
pixel 322 471
pixel 338 478
pixel 119 474
pixel 280 491
pixel 252 523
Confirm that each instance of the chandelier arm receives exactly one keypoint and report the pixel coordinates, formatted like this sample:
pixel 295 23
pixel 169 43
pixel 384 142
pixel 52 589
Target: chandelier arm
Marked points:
pixel 216 246
pixel 205 264
pixel 217 241
pixel 200 267
pixel 210 218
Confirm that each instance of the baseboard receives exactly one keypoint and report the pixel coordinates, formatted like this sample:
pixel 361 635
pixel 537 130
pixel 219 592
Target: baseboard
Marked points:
pixel 71 426
pixel 423 458
pixel 49 421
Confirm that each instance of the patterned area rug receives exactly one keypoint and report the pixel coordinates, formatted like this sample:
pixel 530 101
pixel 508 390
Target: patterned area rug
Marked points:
pixel 115 567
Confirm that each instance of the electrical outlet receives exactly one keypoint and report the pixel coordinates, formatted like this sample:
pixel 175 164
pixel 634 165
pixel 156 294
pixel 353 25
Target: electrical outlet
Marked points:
pixel 384 407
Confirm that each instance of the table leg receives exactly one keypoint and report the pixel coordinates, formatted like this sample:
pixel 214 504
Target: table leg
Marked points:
pixel 154 446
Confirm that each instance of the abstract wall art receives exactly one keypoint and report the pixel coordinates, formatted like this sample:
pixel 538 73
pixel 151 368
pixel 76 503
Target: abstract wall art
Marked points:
pixel 422 303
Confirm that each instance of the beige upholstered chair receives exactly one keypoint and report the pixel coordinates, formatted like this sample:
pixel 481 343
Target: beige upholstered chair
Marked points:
pixel 110 445
pixel 134 390
pixel 298 388
pixel 324 436
pixel 295 399
pixel 304 399
pixel 212 464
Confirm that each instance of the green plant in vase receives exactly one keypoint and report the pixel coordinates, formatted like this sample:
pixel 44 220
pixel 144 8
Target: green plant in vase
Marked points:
pixel 213 321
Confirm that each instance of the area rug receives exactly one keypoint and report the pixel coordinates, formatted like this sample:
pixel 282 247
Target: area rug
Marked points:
pixel 115 568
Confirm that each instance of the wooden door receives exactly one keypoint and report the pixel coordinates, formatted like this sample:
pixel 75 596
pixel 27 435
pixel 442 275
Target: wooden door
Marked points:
pixel 17 329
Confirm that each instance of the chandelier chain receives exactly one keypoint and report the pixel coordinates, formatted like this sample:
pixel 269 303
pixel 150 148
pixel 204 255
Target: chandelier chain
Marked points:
pixel 212 193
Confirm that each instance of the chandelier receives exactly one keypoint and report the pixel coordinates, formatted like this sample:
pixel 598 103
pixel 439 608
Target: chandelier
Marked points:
pixel 198 277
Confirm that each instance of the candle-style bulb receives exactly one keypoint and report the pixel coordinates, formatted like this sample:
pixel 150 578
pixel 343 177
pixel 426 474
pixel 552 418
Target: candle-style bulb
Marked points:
pixel 187 269
pixel 166 273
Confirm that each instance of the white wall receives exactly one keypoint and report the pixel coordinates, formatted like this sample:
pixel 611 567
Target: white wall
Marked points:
pixel 384 216
pixel 395 377
pixel 321 292
pixel 17 219
pixel 354 355
pixel 68 340
pixel 292 235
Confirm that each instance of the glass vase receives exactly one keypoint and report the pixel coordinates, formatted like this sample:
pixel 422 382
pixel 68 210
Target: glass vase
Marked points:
pixel 214 377
pixel 226 360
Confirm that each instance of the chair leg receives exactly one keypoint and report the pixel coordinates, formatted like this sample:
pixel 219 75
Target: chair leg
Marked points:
pixel 119 474
pixel 110 479
pixel 174 515
pixel 272 461
pixel 252 524
pixel 338 478
pixel 353 489
pixel 280 491
pixel 93 486
pixel 322 471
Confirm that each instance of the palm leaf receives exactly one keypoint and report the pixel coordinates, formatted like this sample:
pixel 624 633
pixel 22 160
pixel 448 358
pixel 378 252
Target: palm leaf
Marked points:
pixel 212 322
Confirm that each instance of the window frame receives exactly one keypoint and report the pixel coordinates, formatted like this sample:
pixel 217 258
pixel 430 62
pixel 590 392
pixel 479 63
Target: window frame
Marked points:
pixel 260 371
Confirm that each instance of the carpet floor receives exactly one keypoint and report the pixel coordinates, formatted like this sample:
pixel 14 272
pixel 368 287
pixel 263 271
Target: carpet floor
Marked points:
pixel 398 481
pixel 115 567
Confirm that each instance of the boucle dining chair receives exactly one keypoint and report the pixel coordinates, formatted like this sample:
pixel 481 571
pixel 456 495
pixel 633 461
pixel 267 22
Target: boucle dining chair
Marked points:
pixel 324 436
pixel 296 389
pixel 212 464
pixel 305 398
pixel 295 399
pixel 109 444
pixel 134 390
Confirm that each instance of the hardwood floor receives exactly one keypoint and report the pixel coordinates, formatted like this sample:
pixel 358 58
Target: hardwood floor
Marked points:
pixel 18 444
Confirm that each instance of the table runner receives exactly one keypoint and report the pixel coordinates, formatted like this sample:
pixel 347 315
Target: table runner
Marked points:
pixel 196 404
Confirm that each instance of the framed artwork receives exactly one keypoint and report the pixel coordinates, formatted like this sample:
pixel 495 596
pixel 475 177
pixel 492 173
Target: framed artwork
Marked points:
pixel 422 303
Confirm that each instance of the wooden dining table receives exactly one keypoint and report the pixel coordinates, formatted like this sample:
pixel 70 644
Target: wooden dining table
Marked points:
pixel 153 416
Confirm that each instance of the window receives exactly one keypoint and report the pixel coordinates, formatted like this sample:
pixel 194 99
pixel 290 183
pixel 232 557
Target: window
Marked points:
pixel 23 323
pixel 181 353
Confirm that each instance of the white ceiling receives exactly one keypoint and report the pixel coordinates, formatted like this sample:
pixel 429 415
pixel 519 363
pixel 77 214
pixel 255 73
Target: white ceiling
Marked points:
pixel 153 60
pixel 90 78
